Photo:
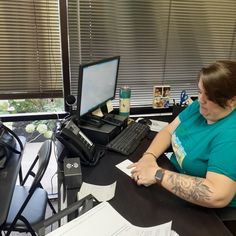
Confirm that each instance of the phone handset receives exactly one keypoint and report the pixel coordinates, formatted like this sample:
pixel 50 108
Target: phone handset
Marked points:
pixel 78 144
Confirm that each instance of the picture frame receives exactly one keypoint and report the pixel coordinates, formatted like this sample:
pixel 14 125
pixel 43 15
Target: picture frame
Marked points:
pixel 161 96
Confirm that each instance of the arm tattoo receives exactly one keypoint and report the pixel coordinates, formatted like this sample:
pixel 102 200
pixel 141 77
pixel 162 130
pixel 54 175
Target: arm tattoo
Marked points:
pixel 189 188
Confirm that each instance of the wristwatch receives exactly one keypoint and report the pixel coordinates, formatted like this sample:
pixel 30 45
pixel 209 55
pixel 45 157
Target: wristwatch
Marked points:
pixel 159 175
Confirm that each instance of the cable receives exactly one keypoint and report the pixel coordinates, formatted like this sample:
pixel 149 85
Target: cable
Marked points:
pixel 56 152
pixel 232 41
pixel 51 55
pixel 48 47
pixel 166 42
pixel 52 193
pixel 37 40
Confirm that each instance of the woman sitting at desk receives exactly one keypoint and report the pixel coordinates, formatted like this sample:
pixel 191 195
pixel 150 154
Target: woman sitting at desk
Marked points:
pixel 203 138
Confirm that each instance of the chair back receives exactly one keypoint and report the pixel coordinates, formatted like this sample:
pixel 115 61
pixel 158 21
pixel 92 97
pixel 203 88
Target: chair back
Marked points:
pixel 19 217
pixel 42 158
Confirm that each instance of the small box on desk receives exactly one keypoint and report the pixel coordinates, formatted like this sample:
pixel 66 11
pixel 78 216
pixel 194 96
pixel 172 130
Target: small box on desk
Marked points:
pixel 104 134
pixel 72 173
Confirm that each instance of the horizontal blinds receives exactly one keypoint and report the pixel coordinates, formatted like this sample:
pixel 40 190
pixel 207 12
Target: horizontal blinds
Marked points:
pixel 160 42
pixel 30 59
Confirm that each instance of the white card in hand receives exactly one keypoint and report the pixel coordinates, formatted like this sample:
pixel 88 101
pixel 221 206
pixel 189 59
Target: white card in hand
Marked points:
pixel 123 166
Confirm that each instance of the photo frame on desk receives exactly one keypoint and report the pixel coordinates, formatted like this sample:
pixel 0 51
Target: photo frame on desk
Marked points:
pixel 161 96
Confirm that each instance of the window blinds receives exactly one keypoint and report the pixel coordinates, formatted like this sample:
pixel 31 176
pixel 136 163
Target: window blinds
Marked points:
pixel 160 42
pixel 30 58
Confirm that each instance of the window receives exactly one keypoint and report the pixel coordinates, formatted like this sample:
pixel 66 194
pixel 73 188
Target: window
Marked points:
pixel 160 42
pixel 30 49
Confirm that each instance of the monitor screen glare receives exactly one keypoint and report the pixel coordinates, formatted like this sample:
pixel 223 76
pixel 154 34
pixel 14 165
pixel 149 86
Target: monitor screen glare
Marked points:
pixel 97 84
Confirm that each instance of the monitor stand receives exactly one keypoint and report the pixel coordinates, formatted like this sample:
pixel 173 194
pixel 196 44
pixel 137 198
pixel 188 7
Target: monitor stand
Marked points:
pixel 105 133
pixel 91 120
pixel 112 119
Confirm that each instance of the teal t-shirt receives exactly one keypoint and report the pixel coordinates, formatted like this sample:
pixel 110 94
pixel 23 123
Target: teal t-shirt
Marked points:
pixel 200 147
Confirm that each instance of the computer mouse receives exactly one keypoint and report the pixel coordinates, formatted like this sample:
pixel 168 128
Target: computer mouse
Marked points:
pixel 145 121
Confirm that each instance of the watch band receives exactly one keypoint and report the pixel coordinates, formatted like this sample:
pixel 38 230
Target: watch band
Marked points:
pixel 159 175
pixel 150 153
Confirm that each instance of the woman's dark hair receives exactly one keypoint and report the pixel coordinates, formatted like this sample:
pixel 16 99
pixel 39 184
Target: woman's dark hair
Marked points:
pixel 219 81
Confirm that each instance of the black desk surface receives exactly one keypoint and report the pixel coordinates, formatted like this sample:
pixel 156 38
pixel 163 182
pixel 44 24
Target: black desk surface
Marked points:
pixel 150 206
pixel 8 177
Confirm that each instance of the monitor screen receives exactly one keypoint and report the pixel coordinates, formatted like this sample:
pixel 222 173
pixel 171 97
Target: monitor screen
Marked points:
pixel 97 84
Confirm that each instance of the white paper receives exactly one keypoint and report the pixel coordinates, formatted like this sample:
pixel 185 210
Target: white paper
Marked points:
pixel 104 220
pixel 160 230
pixel 156 125
pixel 123 167
pixel 109 106
pixel 100 221
pixel 100 192
pixel 98 112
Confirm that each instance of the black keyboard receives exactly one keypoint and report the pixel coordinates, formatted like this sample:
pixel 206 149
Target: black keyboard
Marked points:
pixel 128 140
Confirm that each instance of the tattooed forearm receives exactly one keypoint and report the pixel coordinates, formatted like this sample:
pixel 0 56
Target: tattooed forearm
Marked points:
pixel 189 188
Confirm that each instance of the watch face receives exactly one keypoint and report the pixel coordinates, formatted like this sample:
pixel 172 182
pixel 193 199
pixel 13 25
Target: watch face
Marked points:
pixel 159 175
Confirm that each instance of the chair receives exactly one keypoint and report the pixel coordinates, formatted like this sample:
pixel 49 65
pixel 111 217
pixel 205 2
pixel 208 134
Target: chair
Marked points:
pixel 79 207
pixel 28 206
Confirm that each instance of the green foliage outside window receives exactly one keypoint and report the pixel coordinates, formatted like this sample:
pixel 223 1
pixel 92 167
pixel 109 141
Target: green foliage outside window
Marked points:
pixel 36 105
pixel 33 129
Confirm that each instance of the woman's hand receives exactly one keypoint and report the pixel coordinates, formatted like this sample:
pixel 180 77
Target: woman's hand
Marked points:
pixel 143 171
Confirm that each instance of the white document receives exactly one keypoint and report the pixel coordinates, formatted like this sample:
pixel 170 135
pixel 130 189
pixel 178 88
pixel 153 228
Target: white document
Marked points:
pixel 100 192
pixel 123 166
pixel 109 106
pixel 131 230
pixel 104 220
pixel 156 125
pixel 98 112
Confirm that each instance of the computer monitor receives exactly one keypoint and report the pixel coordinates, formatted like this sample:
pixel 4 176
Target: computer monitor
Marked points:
pixel 97 84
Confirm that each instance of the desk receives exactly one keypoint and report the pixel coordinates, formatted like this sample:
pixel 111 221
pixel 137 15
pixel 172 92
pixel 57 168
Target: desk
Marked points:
pixel 149 206
pixel 8 178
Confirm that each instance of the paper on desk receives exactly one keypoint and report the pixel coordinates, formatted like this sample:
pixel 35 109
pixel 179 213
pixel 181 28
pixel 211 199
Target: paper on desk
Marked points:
pixel 123 166
pixel 104 220
pixel 130 230
pixel 100 192
pixel 109 106
pixel 156 125
pixel 98 112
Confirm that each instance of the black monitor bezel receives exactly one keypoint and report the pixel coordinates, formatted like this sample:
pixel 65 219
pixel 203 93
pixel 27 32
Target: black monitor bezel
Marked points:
pixel 80 82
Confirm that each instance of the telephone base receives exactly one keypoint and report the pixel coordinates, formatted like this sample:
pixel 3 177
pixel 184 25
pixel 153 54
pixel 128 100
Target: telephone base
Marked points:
pixel 104 134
